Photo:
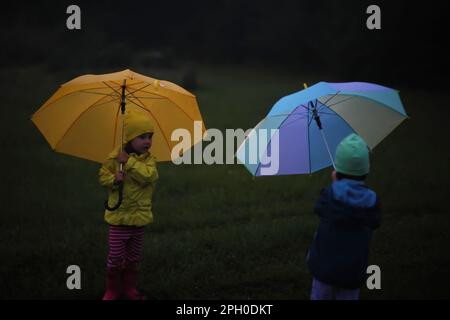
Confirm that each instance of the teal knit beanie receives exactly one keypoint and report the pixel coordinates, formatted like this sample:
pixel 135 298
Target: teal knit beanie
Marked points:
pixel 352 156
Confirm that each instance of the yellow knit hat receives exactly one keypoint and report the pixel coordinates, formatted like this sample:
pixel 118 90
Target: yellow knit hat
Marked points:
pixel 134 124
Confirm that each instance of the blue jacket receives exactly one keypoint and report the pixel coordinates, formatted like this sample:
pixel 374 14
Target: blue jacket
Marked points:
pixel 348 211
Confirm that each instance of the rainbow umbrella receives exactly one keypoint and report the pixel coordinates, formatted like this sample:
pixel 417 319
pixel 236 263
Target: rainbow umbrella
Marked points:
pixel 302 130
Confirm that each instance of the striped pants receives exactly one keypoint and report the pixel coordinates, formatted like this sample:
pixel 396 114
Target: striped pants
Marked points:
pixel 125 245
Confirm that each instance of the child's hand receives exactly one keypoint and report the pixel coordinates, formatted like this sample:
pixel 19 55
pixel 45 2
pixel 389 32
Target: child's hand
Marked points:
pixel 120 175
pixel 122 157
pixel 333 176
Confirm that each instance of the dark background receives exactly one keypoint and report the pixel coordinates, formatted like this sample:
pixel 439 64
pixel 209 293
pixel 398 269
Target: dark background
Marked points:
pixel 307 36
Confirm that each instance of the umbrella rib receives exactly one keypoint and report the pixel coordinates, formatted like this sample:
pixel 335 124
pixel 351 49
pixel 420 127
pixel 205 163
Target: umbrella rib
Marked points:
pixel 117 84
pixel 102 94
pixel 270 140
pixel 329 99
pixel 375 101
pixel 348 124
pixel 100 104
pixel 163 97
pixel 76 120
pixel 134 84
pixel 324 112
pixel 130 86
pixel 321 106
pixel 305 107
pixel 293 120
pixel 154 98
pixel 139 88
pixel 59 98
pixel 112 88
pixel 309 121
pixel 290 113
pixel 160 128
pixel 336 103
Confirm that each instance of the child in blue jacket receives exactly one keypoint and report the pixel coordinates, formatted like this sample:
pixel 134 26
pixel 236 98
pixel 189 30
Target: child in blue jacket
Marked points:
pixel 348 211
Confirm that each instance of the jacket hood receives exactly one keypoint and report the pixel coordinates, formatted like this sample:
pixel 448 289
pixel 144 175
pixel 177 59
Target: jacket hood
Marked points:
pixel 354 193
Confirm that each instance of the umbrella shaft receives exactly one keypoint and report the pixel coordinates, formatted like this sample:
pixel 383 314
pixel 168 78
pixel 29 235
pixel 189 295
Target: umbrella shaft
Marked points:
pixel 328 148
pixel 316 115
pixel 122 108
pixel 319 124
pixel 122 100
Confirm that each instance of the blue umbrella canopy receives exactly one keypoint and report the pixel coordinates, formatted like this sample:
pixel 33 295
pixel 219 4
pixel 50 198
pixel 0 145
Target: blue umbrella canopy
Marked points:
pixel 303 129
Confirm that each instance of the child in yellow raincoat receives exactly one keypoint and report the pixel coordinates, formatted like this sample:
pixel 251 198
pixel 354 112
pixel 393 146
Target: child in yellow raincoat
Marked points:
pixel 126 224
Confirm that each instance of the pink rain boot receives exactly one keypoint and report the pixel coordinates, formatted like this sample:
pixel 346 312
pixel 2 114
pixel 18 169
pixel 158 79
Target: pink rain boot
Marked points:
pixel 129 281
pixel 113 284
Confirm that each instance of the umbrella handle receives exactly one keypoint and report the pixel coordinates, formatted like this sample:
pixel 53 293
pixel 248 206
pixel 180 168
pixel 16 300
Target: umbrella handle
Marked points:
pixel 119 201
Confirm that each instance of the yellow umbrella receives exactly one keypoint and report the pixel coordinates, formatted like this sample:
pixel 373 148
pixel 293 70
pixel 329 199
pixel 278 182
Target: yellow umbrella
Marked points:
pixel 83 117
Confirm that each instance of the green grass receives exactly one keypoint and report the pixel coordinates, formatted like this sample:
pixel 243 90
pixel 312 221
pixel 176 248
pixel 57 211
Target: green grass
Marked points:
pixel 218 232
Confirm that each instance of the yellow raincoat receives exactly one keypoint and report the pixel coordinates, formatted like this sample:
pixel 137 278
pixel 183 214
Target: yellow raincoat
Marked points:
pixel 139 181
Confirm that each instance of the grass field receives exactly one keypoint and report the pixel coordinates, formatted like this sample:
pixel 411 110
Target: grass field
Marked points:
pixel 218 233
